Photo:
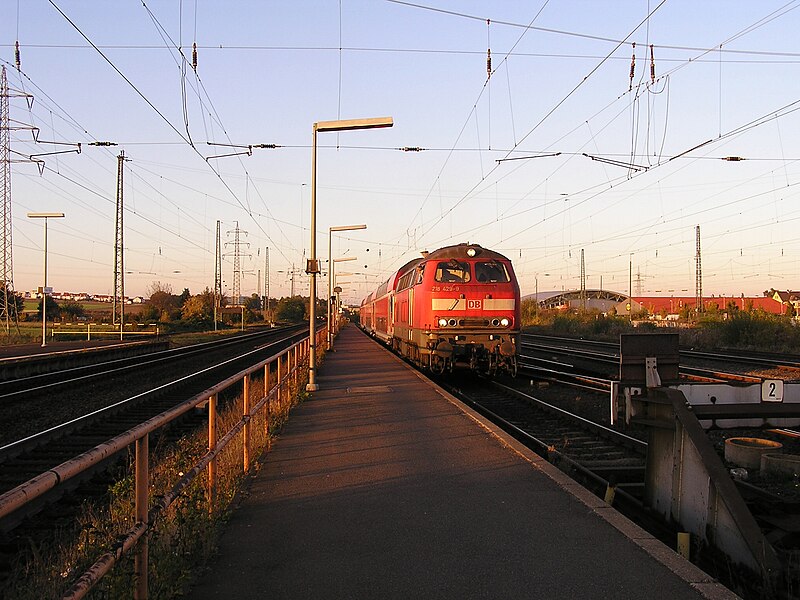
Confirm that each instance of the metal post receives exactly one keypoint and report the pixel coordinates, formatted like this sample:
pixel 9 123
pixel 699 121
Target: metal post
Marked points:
pixel 342 125
pixel 295 373
pixel 267 389
pixel 331 316
pixel 279 392
pixel 330 288
pixel 246 416
pixel 312 293
pixel 211 492
pixel 44 290
pixel 44 216
pixel 142 478
pixel 630 286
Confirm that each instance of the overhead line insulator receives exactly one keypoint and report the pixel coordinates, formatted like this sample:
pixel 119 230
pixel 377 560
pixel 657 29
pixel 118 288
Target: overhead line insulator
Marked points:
pixel 652 66
pixel 633 67
pixel 194 56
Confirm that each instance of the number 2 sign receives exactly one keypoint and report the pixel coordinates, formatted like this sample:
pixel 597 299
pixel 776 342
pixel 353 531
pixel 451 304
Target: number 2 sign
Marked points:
pixel 772 390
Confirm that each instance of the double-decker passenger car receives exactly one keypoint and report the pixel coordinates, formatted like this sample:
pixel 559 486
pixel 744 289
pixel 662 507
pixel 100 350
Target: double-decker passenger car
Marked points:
pixel 457 304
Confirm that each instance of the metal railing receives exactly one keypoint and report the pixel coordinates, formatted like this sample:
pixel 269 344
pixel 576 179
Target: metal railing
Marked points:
pixel 289 366
pixel 96 332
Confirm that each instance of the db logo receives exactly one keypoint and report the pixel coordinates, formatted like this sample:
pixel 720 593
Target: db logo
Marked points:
pixel 473 304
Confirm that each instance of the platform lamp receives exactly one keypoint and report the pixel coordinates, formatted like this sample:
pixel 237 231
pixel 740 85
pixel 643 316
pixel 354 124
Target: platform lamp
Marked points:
pixel 312 266
pixel 45 216
pixel 338 290
pixel 331 271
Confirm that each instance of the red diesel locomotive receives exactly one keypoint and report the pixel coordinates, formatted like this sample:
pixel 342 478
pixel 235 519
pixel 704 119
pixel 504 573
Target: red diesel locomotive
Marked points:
pixel 457 304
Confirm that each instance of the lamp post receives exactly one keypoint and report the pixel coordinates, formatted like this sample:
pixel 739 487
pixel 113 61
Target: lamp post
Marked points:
pixel 331 276
pixel 630 286
pixel 312 267
pixel 45 216
pixel 330 272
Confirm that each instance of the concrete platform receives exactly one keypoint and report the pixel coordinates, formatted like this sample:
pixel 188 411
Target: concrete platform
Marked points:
pixel 383 486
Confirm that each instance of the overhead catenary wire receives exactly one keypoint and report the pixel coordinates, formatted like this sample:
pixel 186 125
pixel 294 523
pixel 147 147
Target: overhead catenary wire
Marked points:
pixel 232 174
pixel 166 120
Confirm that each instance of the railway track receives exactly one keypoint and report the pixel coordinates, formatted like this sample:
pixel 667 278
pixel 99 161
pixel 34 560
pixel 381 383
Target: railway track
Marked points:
pixel 609 352
pixel 552 431
pixel 26 458
pixel 611 464
pixel 598 358
pixel 48 400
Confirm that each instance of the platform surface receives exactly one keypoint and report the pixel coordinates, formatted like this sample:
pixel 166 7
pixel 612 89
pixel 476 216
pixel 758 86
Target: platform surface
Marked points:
pixel 380 486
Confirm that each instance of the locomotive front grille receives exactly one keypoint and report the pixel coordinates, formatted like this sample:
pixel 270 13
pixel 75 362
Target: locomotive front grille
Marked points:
pixel 473 322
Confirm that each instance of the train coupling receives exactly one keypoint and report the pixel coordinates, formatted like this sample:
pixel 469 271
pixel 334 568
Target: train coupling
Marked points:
pixel 507 348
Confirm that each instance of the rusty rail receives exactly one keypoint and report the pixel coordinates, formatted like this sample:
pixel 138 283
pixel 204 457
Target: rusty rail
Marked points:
pixel 289 364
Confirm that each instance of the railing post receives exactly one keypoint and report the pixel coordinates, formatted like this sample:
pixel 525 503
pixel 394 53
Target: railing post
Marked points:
pixel 246 417
pixel 279 383
pixel 267 389
pixel 290 372
pixel 142 479
pixel 211 492
pixel 295 374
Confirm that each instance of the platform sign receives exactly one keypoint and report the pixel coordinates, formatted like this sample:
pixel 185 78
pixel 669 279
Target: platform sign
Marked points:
pixel 772 390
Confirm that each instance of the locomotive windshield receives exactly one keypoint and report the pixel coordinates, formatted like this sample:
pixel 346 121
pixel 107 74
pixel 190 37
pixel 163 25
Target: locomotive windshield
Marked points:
pixel 491 272
pixel 452 271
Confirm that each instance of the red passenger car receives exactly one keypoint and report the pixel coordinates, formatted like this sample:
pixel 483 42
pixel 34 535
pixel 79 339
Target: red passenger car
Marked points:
pixel 457 304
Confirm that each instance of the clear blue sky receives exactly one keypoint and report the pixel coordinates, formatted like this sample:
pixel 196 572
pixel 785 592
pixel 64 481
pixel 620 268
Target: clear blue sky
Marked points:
pixel 726 73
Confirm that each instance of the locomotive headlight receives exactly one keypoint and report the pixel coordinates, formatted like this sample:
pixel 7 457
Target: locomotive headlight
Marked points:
pixel 471 252
pixel 495 322
pixel 505 322
pixel 443 322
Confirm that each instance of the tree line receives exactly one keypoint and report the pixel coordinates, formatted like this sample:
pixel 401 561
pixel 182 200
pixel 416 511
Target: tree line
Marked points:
pixel 186 310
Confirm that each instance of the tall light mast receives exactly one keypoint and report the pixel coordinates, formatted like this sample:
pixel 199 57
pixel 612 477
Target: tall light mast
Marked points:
pixel 5 187
pixel 119 260
pixel 698 283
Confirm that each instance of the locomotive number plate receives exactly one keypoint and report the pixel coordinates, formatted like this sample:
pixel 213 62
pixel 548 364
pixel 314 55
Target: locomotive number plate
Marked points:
pixel 445 288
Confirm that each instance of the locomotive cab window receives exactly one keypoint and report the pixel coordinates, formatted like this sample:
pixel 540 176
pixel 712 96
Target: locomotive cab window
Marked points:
pixel 452 271
pixel 491 272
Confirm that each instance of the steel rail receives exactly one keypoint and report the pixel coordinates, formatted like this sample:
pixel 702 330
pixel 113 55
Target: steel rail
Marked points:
pixel 33 488
pixel 763 359
pixel 62 428
pixel 55 379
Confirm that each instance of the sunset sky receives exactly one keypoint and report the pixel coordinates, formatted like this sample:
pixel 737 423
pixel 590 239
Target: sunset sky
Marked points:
pixel 558 151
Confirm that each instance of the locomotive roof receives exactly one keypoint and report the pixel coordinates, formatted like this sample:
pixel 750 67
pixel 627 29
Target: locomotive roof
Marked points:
pixel 460 251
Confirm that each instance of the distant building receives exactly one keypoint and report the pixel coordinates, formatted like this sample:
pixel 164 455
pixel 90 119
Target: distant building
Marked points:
pixel 664 307
pixel 786 298
pixel 669 305
pixel 600 300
